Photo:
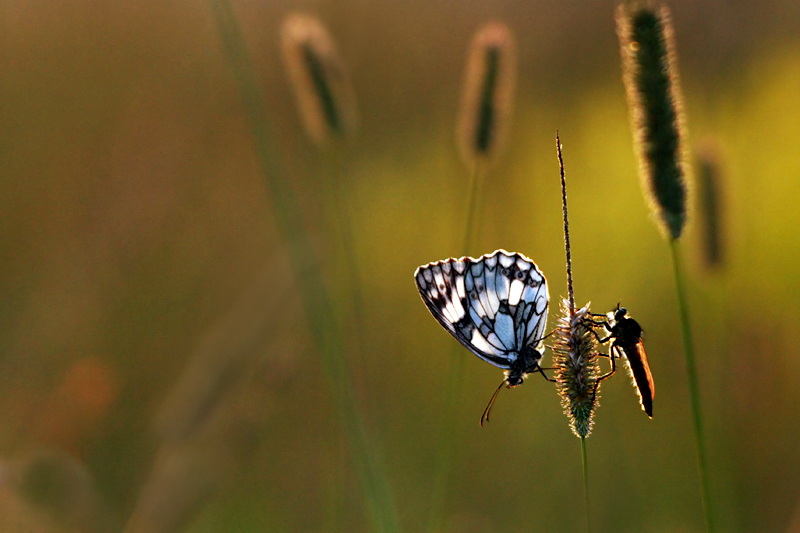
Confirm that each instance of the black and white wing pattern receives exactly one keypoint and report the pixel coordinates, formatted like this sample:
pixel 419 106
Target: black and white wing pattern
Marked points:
pixel 495 305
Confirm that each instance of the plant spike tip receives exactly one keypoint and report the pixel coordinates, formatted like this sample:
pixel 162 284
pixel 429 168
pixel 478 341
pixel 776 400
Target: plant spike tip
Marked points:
pixel 488 95
pixel 321 84
pixel 652 86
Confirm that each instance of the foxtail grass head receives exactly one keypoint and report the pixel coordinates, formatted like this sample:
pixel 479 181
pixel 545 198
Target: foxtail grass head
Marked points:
pixel 576 367
pixel 652 86
pixel 488 95
pixel 321 84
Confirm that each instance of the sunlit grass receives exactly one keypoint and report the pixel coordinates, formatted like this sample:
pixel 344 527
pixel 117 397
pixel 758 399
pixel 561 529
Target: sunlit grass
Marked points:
pixel 133 212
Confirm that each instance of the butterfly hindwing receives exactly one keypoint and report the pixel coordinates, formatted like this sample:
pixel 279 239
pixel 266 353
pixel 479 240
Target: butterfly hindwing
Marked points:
pixel 495 305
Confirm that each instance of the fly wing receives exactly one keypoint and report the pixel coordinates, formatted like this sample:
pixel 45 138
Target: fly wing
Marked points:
pixel 642 377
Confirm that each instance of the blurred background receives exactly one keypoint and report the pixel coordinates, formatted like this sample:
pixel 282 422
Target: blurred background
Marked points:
pixel 155 361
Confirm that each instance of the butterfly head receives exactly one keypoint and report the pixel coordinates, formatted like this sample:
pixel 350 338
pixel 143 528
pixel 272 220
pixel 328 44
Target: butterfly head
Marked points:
pixel 515 379
pixel 526 363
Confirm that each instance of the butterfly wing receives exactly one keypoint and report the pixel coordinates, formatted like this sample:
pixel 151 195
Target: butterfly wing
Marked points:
pixel 494 305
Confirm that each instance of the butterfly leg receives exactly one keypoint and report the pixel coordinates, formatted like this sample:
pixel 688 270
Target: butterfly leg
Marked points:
pixel 543 338
pixel 541 371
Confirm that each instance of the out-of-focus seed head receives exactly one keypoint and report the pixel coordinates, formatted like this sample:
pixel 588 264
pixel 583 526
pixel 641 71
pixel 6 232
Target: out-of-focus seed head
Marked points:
pixel 710 202
pixel 653 90
pixel 576 368
pixel 488 96
pixel 321 84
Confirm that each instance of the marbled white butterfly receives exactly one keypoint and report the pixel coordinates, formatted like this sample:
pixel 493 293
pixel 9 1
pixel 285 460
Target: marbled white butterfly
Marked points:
pixel 495 305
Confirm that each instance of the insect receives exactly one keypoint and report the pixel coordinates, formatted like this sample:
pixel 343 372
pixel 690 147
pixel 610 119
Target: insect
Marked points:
pixel 625 335
pixel 496 306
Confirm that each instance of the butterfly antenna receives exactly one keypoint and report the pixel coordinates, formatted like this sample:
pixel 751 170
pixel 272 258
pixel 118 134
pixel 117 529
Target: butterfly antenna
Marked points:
pixel 566 227
pixel 485 415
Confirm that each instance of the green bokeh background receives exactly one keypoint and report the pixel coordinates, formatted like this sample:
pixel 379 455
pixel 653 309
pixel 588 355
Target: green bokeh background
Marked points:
pixel 134 218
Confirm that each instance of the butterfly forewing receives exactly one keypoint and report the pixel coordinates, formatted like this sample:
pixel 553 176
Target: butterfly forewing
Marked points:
pixel 495 305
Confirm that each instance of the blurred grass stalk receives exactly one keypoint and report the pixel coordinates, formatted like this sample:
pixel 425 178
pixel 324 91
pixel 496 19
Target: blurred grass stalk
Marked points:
pixel 46 490
pixel 652 86
pixel 325 331
pixel 486 104
pixel 326 103
pixel 481 129
pixel 212 422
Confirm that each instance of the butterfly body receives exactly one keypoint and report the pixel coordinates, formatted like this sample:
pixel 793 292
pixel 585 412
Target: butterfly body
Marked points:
pixel 495 305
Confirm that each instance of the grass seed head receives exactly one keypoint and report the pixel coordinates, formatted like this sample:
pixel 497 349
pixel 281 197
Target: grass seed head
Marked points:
pixel 653 90
pixel 321 84
pixel 710 203
pixel 576 368
pixel 488 95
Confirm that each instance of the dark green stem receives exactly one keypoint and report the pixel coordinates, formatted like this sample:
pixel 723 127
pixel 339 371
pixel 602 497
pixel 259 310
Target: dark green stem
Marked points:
pixel 586 486
pixel 694 389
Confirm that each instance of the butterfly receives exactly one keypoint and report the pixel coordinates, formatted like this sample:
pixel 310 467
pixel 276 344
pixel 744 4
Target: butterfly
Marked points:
pixel 496 306
pixel 625 335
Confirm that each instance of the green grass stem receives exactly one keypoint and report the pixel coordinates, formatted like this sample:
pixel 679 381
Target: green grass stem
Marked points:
pixel 446 450
pixel 337 187
pixel 473 209
pixel 347 280
pixel 585 464
pixel 694 389
pixel 319 311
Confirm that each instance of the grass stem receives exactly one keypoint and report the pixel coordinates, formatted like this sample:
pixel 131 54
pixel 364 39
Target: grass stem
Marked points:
pixel 586 486
pixel 694 389
pixel 473 215
pixel 447 438
pixel 318 308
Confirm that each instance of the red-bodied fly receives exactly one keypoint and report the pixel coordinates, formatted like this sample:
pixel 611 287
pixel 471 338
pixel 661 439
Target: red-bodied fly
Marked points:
pixel 625 335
